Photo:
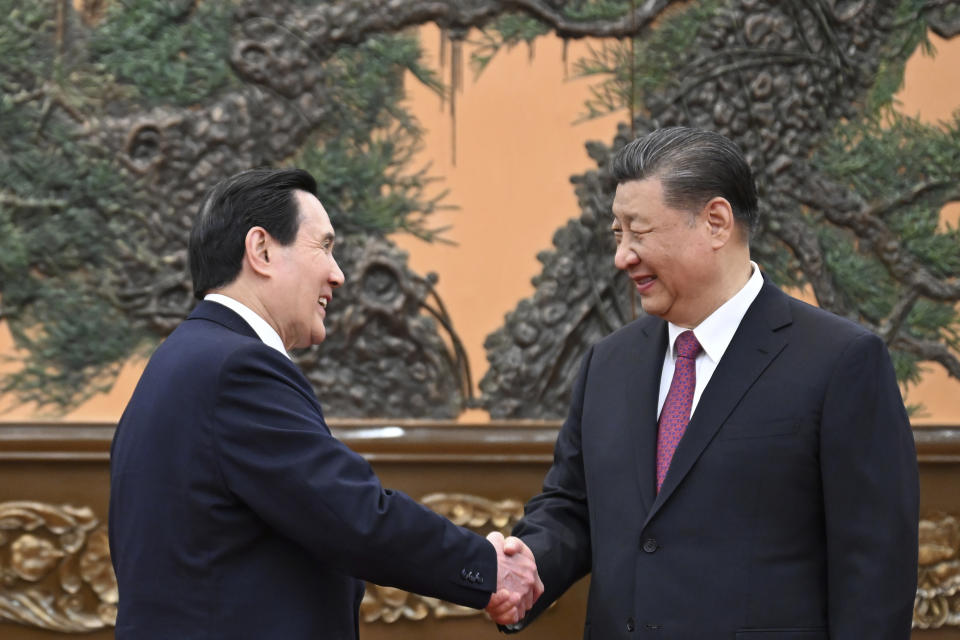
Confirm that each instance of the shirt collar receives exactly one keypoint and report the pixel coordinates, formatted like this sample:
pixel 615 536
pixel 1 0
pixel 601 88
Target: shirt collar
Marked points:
pixel 715 333
pixel 260 326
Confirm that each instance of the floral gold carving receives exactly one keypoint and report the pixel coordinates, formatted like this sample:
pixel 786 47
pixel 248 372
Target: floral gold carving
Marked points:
pixel 480 514
pixel 55 570
pixel 387 604
pixel 31 558
pixel 938 588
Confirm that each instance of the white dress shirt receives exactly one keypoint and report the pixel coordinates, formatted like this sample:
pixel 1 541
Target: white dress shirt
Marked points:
pixel 260 326
pixel 714 335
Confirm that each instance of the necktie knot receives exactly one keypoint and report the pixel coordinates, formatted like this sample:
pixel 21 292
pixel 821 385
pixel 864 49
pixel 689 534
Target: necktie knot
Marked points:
pixel 687 345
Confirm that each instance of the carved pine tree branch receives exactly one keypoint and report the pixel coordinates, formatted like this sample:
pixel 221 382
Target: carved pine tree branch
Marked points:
pixel 352 21
pixel 891 328
pixel 942 22
pixel 930 350
pixel 845 209
pixel 802 241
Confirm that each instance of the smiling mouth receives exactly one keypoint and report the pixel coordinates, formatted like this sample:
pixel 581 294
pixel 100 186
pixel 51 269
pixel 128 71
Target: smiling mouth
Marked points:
pixel 322 302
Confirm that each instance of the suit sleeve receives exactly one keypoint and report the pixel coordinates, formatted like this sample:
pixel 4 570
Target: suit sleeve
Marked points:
pixel 556 523
pixel 276 455
pixel 870 492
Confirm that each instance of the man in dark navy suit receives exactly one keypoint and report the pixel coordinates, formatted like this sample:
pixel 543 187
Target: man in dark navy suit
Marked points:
pixel 735 464
pixel 234 513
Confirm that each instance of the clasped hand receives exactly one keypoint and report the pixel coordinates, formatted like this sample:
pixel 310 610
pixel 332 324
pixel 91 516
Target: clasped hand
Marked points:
pixel 518 583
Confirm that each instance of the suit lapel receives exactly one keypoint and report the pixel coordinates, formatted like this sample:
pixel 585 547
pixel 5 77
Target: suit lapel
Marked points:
pixel 755 345
pixel 647 350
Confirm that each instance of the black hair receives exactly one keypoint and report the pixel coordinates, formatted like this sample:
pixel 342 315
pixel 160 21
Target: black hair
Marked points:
pixel 254 198
pixel 693 165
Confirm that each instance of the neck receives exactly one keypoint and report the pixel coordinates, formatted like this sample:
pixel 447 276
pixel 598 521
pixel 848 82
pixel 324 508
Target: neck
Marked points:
pixel 734 274
pixel 247 296
pixel 737 276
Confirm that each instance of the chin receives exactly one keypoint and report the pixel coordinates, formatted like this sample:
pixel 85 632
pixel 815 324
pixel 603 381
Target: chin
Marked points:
pixel 653 309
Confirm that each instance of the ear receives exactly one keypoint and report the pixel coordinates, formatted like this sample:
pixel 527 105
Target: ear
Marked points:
pixel 718 215
pixel 257 245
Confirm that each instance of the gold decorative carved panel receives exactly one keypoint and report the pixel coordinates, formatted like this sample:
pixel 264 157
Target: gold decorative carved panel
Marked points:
pixel 55 570
pixel 476 513
pixel 938 588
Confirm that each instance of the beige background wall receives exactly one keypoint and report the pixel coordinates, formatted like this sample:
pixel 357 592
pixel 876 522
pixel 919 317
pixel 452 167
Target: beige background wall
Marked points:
pixel 516 147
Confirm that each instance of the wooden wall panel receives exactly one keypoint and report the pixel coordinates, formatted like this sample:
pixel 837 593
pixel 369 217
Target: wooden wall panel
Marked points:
pixel 481 473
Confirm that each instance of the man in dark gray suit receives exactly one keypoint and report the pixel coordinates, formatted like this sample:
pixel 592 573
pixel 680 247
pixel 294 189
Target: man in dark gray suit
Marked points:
pixel 736 463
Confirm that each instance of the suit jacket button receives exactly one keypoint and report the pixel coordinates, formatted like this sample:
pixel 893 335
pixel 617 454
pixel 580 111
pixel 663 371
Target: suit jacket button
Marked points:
pixel 650 545
pixel 631 625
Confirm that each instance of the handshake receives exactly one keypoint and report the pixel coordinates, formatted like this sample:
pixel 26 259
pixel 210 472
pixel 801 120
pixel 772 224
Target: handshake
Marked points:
pixel 518 583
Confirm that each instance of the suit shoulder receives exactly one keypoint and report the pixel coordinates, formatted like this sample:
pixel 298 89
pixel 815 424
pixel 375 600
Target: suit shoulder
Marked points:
pixel 806 314
pixel 197 338
pixel 198 345
pixel 206 355
pixel 822 332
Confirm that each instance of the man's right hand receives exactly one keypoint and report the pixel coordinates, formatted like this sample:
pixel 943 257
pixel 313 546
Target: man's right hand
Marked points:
pixel 518 584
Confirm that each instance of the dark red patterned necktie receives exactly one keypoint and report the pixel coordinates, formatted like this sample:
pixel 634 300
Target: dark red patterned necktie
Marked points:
pixel 676 408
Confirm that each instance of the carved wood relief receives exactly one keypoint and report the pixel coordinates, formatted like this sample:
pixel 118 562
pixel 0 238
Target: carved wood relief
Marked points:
pixel 938 588
pixel 55 570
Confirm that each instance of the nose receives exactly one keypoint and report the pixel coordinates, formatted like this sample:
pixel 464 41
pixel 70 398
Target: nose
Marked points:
pixel 336 275
pixel 625 257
